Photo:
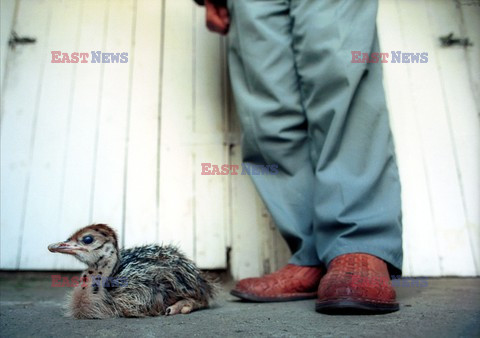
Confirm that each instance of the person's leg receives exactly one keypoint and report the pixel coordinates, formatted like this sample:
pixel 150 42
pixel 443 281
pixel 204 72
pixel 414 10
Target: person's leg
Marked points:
pixel 266 90
pixel 265 86
pixel 357 189
pixel 357 218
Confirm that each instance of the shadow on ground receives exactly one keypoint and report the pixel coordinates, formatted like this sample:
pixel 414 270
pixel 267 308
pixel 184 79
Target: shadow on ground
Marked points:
pixel 447 307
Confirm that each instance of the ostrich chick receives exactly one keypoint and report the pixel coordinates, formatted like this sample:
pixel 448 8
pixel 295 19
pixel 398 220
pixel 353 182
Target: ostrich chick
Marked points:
pixel 142 281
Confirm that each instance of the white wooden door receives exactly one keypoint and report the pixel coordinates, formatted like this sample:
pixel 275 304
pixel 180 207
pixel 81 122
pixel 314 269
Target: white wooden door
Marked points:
pixel 117 143
pixel 434 112
pixel 123 143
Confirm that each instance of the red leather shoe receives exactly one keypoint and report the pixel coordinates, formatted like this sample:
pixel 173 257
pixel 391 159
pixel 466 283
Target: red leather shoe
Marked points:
pixel 356 283
pixel 292 282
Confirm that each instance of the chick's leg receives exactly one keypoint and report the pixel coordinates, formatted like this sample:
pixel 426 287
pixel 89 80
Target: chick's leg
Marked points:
pixel 185 306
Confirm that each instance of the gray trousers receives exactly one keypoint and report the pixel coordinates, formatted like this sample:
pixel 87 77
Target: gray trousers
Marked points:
pixel 323 120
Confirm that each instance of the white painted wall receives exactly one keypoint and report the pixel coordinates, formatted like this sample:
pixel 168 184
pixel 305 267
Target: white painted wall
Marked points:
pixel 123 143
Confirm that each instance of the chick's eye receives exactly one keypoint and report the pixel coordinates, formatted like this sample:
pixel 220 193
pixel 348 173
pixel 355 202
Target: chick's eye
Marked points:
pixel 87 239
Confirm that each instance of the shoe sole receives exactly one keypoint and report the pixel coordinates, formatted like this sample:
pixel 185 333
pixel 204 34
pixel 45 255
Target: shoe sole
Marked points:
pixel 343 307
pixel 258 299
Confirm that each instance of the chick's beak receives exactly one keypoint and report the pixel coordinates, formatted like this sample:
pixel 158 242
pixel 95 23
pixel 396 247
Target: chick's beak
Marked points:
pixel 63 247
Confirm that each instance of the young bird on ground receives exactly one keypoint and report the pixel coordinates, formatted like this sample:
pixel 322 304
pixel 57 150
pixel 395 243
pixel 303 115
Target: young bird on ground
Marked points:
pixel 143 281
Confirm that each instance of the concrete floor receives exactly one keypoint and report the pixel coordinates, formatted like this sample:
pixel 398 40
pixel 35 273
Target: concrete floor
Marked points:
pixel 447 307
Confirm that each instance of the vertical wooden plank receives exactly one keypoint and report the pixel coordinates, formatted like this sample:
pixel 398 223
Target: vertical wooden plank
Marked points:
pixel 176 162
pixel 247 221
pixel 210 209
pixel 109 176
pixel 81 130
pixel 419 237
pixel 470 20
pixel 176 197
pixel 275 252
pixel 435 139
pixel 42 211
pixel 228 113
pixel 470 16
pixel 282 253
pixel 257 248
pixel 209 78
pixel 463 122
pixel 192 206
pixel 18 123
pixel 210 192
pixel 142 180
